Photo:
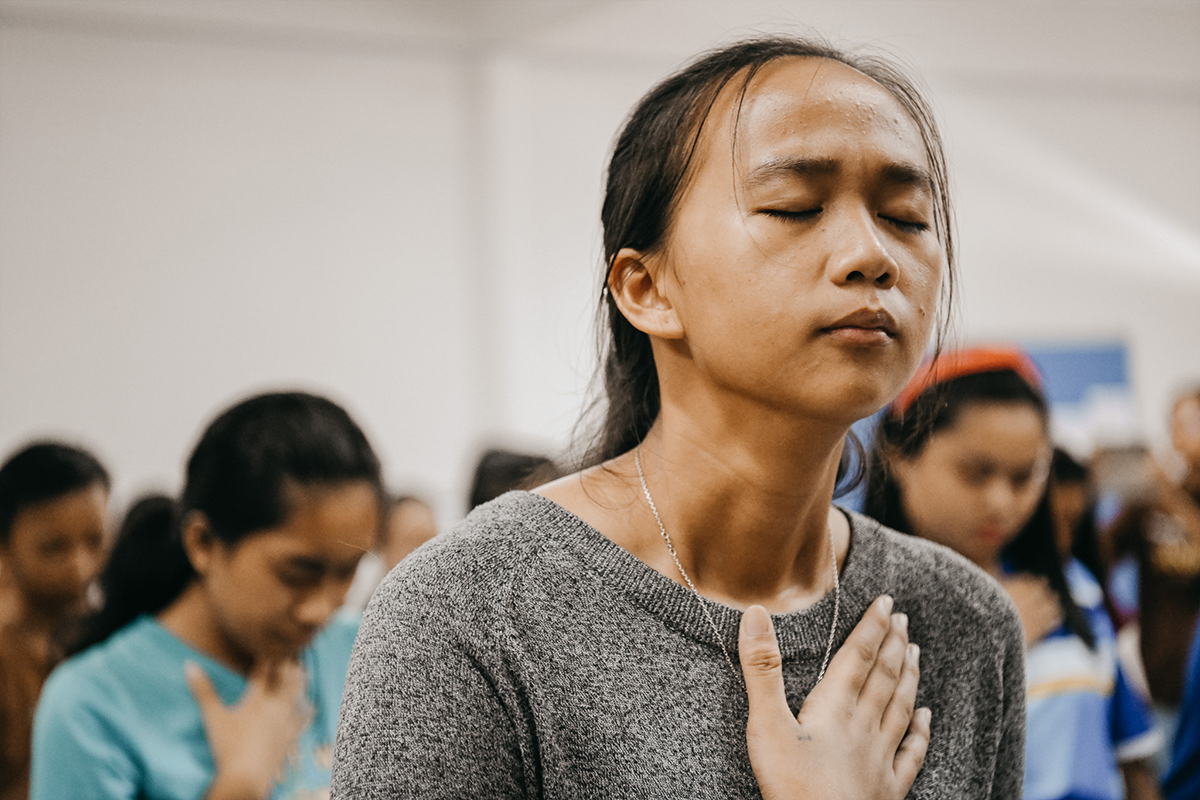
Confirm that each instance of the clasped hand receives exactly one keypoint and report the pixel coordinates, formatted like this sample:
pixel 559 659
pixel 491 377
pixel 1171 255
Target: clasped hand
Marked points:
pixel 251 739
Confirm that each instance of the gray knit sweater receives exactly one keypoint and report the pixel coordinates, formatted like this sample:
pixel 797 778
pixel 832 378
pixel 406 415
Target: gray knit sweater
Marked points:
pixel 525 655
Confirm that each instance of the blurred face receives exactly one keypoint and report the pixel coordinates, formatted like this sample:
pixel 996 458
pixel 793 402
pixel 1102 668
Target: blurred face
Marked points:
pixel 1185 429
pixel 410 525
pixel 975 484
pixel 56 549
pixel 272 591
pixel 803 262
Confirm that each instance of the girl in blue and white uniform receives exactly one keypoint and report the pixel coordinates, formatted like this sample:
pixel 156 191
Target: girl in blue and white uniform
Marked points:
pixel 962 458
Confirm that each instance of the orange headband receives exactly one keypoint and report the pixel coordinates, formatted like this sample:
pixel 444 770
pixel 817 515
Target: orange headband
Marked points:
pixel 973 361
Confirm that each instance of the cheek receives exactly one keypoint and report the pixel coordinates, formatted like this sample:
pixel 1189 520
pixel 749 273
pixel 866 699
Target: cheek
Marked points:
pixel 920 283
pixel 249 596
pixel 942 504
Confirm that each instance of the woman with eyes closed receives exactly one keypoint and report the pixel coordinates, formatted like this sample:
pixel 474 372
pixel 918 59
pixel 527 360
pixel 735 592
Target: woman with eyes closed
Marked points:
pixel 211 671
pixel 689 615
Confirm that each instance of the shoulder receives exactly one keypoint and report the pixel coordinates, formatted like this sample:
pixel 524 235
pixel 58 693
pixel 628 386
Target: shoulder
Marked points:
pixel 98 675
pixel 478 558
pixel 937 580
pixel 463 580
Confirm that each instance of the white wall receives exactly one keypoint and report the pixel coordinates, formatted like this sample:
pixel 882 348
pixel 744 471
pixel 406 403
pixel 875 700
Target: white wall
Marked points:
pixel 182 223
pixel 396 202
pixel 1072 128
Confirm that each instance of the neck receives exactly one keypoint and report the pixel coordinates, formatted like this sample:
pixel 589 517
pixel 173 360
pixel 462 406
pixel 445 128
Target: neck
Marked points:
pixel 747 505
pixel 191 618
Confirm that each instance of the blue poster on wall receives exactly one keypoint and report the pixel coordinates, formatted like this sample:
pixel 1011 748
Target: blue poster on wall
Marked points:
pixel 1090 393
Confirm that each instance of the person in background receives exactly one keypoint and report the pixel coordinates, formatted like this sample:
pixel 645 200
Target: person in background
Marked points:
pixel 137 550
pixel 53 503
pixel 410 523
pixel 1154 545
pixel 963 458
pixel 211 670
pixel 1162 535
pixel 1073 508
pixel 500 471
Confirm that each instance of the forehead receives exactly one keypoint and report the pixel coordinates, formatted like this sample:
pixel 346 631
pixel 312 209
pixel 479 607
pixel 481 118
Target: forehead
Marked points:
pixel 997 429
pixel 815 107
pixel 326 519
pixel 82 507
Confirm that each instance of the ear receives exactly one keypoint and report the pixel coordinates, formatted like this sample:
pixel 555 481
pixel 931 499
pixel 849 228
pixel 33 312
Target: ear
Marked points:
pixel 199 542
pixel 638 288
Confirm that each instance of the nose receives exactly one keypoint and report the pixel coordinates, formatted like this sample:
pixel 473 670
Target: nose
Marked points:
pixel 318 606
pixel 85 565
pixel 860 252
pixel 1000 497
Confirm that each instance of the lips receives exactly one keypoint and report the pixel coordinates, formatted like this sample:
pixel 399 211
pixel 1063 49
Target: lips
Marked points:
pixel 992 534
pixel 864 327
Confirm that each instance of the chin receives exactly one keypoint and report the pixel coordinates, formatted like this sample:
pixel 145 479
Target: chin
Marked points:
pixel 859 398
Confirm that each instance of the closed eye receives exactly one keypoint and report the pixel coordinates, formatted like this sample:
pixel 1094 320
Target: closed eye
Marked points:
pixel 793 216
pixel 905 225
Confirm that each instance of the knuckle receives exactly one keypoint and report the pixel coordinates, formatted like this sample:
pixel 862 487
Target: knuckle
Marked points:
pixel 865 651
pixel 764 660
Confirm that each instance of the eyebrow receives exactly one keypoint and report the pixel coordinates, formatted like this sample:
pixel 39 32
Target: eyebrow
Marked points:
pixel 898 174
pixel 802 166
pixel 908 175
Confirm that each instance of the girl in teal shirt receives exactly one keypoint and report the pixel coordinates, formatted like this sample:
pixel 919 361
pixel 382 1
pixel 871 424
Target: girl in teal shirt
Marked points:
pixel 213 669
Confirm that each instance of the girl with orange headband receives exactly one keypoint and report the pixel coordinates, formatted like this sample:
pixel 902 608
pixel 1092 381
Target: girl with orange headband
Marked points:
pixel 962 458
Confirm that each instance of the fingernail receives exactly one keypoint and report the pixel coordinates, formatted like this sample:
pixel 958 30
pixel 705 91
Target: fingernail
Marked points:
pixel 887 604
pixel 926 716
pixel 758 621
pixel 901 622
pixel 914 653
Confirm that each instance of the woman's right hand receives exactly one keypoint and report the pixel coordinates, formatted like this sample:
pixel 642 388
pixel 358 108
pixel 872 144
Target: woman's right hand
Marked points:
pixel 251 739
pixel 857 736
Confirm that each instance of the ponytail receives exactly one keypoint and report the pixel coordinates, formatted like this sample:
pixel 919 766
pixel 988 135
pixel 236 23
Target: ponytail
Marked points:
pixel 147 570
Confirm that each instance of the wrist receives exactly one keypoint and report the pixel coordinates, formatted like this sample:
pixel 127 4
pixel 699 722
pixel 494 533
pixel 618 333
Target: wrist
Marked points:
pixel 235 784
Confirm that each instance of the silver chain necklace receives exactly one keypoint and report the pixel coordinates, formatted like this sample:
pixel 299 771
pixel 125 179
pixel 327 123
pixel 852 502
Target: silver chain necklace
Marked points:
pixel 837 589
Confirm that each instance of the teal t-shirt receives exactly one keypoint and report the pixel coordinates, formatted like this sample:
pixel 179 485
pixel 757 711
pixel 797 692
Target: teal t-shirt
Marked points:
pixel 118 720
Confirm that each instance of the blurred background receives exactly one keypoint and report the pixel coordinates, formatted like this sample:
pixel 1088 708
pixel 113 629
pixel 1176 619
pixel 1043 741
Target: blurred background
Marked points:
pixel 395 203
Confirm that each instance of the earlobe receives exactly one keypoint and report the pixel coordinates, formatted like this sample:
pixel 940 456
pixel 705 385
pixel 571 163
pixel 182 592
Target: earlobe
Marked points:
pixel 639 290
pixel 198 541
